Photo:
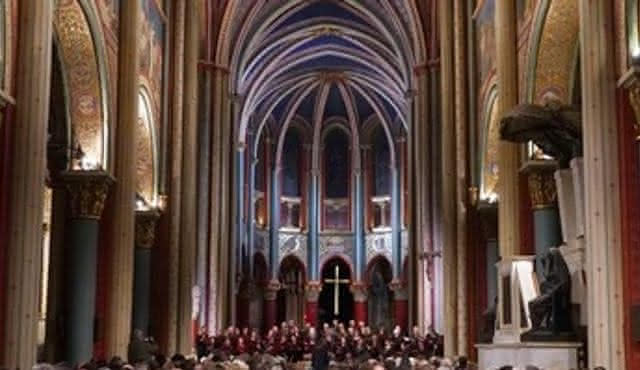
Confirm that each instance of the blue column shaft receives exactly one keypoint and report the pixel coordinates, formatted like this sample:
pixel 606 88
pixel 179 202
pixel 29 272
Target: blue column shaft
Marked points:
pixel 142 289
pixel 359 231
pixel 251 217
pixel 81 288
pixel 313 227
pixel 396 244
pixel 547 232
pixel 275 223
pixel 239 188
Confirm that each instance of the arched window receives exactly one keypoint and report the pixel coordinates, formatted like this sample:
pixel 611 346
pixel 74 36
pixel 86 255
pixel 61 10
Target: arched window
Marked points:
pixel 336 164
pixel 261 174
pixel 291 180
pixel 337 175
pixel 291 164
pixel 381 162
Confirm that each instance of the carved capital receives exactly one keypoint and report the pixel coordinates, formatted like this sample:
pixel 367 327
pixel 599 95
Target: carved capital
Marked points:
pixel 88 192
pixel 312 291
pixel 146 227
pixel 359 291
pixel 271 290
pixel 399 290
pixel 542 189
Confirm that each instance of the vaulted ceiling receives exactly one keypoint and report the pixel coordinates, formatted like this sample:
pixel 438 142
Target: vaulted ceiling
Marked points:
pixel 324 59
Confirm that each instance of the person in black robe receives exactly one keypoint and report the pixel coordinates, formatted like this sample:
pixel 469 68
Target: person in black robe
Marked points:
pixel 320 356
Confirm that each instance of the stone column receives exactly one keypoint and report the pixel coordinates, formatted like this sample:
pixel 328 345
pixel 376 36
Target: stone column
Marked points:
pixel 87 193
pixel 251 213
pixel 312 293
pixel 240 247
pixel 189 189
pixel 400 304
pixel 120 272
pixel 396 229
pixel 508 153
pixel 175 179
pixel 360 247
pixel 360 310
pixel 462 181
pixel 145 239
pixel 275 223
pixel 271 304
pixel 24 244
pixel 601 185
pixel 448 176
pixel 546 219
pixel 313 224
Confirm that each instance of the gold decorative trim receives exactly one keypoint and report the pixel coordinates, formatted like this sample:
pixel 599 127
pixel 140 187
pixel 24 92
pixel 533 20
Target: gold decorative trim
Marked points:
pixel 542 189
pixel 359 291
pixel 88 192
pixel 312 291
pixel 146 228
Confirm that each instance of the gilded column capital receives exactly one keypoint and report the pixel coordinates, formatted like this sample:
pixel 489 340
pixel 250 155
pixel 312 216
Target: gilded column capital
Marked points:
pixel 631 82
pixel 359 291
pixel 88 192
pixel 146 221
pixel 542 189
pixel 271 290
pixel 312 290
pixel 399 290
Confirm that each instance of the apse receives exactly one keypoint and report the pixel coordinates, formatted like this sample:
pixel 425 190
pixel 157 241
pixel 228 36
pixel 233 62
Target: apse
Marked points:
pixel 325 111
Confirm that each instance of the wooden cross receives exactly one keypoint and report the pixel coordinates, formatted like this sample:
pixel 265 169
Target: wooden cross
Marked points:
pixel 336 281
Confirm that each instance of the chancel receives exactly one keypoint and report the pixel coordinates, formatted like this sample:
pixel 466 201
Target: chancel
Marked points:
pixel 320 183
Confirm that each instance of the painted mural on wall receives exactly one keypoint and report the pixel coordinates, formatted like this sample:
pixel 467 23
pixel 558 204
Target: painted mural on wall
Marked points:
pixel 485 41
pixel 109 11
pixel 524 10
pixel 152 36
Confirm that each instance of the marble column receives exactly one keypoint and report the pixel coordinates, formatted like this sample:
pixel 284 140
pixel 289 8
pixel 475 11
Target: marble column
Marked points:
pixel 188 217
pixel 546 219
pixel 26 183
pixel 120 271
pixel 508 153
pixel 448 177
pixel 462 181
pixel 87 194
pixel 271 304
pixel 360 310
pixel 601 186
pixel 312 293
pixel 175 178
pixel 400 305
pixel 313 224
pixel 145 239
pixel 275 224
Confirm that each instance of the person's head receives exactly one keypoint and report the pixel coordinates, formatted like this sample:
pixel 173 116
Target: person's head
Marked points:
pixel 378 367
pixel 397 331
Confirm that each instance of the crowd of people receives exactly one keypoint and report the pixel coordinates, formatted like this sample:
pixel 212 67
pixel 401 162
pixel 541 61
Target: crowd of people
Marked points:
pixel 349 345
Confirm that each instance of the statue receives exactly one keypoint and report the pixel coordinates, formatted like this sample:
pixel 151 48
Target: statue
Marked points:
pixel 554 128
pixel 551 311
